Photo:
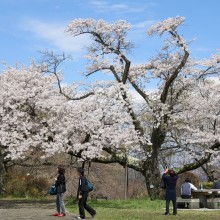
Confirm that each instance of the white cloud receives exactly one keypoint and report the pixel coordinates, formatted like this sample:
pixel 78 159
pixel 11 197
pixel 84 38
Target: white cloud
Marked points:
pixel 202 49
pixel 144 24
pixel 53 34
pixel 139 29
pixel 107 6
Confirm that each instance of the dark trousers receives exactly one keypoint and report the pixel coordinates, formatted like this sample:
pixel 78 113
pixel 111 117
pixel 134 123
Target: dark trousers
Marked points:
pixel 185 196
pixel 83 206
pixel 171 196
pixel 168 206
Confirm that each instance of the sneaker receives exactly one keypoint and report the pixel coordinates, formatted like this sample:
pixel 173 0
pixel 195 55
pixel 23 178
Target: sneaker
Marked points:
pixel 93 215
pixel 166 213
pixel 55 214
pixel 62 215
pixel 80 217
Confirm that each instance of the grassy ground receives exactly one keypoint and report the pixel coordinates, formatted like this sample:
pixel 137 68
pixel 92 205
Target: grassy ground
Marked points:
pixel 142 209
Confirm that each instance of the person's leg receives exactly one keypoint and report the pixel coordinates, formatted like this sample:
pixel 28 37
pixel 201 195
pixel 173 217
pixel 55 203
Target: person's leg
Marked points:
pixel 81 208
pixel 167 206
pixel 89 209
pixel 185 196
pixel 62 205
pixel 174 207
pixel 58 203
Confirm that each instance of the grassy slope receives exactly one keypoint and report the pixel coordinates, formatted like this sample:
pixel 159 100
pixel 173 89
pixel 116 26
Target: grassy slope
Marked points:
pixel 141 209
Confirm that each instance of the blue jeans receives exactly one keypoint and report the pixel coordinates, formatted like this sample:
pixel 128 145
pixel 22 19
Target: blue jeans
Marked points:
pixel 60 203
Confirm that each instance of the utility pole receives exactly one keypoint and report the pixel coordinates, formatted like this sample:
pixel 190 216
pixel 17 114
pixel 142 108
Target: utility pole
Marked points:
pixel 126 179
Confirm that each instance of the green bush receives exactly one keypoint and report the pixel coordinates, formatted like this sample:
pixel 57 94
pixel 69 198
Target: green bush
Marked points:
pixel 207 185
pixel 26 186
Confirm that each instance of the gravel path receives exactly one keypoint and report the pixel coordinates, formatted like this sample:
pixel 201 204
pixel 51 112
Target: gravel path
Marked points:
pixel 29 210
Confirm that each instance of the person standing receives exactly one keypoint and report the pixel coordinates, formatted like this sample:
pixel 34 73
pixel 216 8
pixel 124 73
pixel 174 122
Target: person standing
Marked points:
pixel 82 194
pixel 186 189
pixel 170 179
pixel 60 185
pixel 216 184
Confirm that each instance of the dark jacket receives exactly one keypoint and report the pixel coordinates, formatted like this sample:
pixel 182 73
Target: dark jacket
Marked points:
pixel 170 186
pixel 216 185
pixel 170 181
pixel 61 183
pixel 83 186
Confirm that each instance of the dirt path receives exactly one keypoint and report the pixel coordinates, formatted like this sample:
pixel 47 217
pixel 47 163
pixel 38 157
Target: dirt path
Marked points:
pixel 29 210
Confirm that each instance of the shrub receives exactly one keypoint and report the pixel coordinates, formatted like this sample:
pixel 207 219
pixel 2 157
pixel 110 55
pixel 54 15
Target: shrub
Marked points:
pixel 18 185
pixel 207 185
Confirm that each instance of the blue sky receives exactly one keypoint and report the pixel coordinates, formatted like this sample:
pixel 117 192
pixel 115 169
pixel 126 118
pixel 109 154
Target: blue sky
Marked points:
pixel 27 26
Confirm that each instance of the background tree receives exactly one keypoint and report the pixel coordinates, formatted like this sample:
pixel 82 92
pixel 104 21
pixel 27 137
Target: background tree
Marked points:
pixel 29 103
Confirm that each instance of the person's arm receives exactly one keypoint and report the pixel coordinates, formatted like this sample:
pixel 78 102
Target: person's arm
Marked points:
pixel 83 185
pixel 192 187
pixel 60 180
pixel 164 174
pixel 57 183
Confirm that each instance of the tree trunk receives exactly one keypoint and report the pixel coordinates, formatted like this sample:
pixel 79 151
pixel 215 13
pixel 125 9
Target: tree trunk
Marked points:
pixel 152 179
pixel 153 176
pixel 2 170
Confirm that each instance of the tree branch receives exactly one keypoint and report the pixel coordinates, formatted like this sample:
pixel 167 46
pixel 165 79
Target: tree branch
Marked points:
pixel 177 70
pixel 200 162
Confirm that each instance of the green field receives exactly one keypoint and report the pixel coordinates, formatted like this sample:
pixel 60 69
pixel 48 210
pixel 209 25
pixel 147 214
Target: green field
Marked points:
pixel 141 209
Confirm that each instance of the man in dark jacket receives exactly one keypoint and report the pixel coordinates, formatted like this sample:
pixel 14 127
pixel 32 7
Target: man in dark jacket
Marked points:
pixel 170 179
pixel 82 193
pixel 216 184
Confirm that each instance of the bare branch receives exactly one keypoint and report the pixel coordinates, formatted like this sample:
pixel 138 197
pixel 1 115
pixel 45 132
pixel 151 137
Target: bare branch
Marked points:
pixel 54 62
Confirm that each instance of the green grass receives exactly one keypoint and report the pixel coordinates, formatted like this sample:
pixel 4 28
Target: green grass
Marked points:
pixel 141 209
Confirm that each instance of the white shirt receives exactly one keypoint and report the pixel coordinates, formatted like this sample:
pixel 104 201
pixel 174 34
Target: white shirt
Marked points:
pixel 186 188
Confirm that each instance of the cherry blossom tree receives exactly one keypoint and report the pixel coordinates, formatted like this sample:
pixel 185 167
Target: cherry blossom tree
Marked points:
pixel 29 102
pixel 104 123
pixel 39 116
pixel 199 128
pixel 162 118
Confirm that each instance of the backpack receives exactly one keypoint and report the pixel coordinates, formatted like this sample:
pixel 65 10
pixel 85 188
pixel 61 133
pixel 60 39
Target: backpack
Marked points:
pixel 90 185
